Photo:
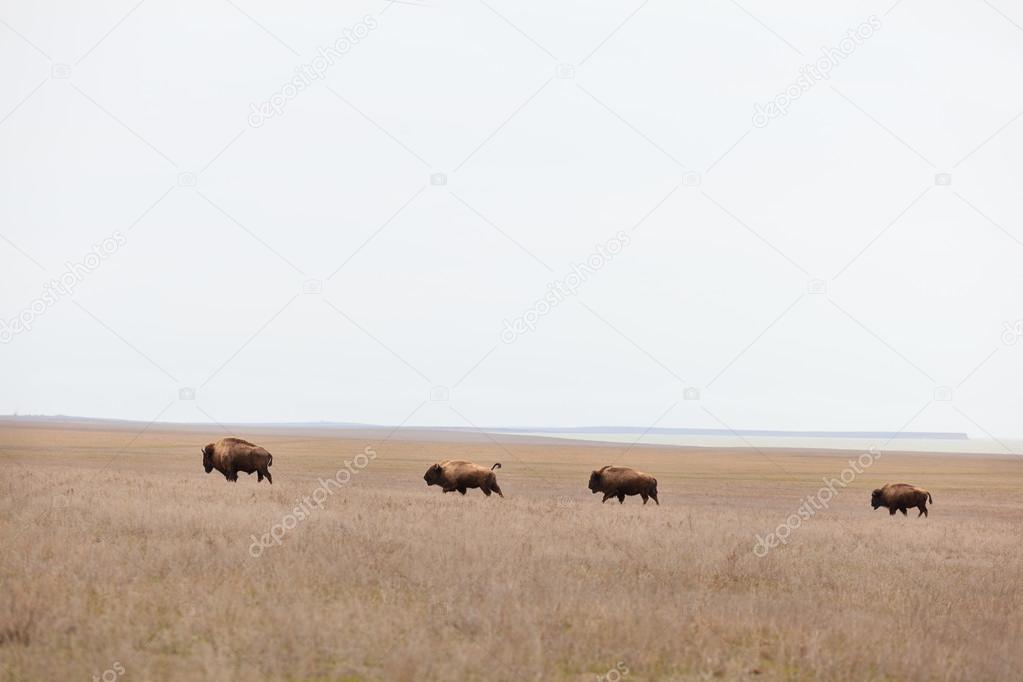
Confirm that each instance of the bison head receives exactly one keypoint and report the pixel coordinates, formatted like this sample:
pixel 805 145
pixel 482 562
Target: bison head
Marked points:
pixel 207 458
pixel 433 475
pixel 875 498
pixel 594 482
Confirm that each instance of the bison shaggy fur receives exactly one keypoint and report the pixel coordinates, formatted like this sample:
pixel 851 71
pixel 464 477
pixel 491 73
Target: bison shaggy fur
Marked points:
pixel 900 497
pixel 231 455
pixel 621 481
pixel 460 475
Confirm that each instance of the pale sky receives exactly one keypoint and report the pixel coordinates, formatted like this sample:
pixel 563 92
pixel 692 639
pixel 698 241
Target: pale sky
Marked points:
pixel 854 264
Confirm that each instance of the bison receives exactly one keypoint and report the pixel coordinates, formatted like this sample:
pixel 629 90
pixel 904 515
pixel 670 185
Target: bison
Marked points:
pixel 621 481
pixel 457 474
pixel 231 455
pixel 900 497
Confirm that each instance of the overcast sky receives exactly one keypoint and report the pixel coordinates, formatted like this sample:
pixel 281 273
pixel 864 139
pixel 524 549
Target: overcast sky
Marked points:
pixel 423 232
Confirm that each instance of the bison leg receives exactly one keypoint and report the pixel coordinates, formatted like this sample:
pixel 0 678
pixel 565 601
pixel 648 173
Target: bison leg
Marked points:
pixel 461 489
pixel 269 478
pixel 485 489
pixel 496 488
pixel 923 510
pixel 621 498
pixel 891 512
pixel 607 496
pixel 259 476
pixel 654 495
pixel 903 510
pixel 645 497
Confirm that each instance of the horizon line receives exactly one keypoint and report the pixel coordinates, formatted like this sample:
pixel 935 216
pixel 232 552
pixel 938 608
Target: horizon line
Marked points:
pixel 593 429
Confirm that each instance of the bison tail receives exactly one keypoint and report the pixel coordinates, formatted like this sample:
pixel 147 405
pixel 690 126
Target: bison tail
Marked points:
pixel 497 465
pixel 269 459
pixel 929 498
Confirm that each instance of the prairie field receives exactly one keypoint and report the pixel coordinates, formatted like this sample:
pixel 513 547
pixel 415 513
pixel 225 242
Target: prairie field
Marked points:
pixel 122 559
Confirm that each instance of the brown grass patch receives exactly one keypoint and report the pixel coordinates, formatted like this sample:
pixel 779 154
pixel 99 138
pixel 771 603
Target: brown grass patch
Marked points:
pixel 144 560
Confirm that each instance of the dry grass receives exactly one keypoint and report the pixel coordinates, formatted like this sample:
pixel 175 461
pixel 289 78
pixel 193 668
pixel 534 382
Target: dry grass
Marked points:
pixel 143 560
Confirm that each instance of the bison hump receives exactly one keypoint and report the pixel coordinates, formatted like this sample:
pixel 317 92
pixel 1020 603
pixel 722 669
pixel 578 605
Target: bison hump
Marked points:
pixel 231 440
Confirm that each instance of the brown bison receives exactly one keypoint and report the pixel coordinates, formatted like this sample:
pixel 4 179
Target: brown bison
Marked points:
pixel 231 455
pixel 457 474
pixel 621 481
pixel 900 497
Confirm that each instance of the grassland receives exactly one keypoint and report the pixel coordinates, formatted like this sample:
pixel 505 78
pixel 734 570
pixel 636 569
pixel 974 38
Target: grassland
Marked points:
pixel 118 549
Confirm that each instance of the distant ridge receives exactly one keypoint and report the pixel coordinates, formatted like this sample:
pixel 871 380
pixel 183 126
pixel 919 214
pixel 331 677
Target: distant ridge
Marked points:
pixel 575 430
